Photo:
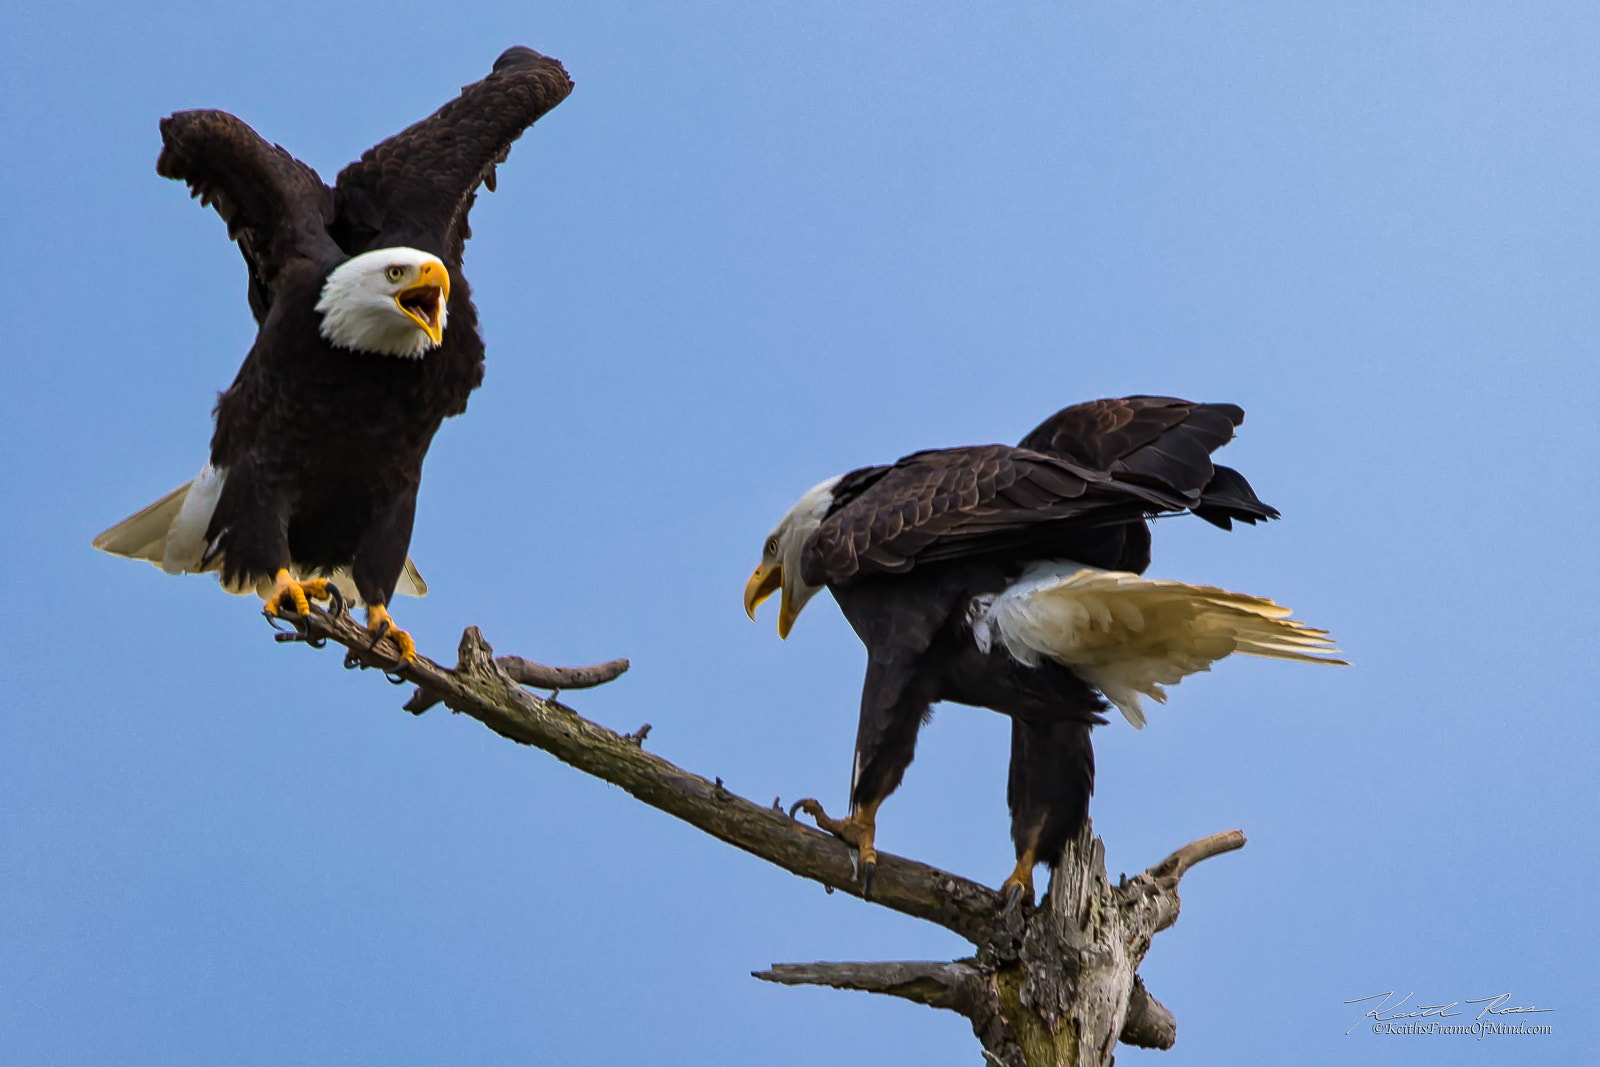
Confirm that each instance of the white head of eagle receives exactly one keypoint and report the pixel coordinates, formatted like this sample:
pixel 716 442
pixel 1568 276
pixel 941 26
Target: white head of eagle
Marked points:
pixel 780 558
pixel 391 302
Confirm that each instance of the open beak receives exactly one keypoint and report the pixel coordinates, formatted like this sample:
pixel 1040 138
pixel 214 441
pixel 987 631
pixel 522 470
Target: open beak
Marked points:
pixel 424 303
pixel 762 584
pixel 787 613
pixel 766 580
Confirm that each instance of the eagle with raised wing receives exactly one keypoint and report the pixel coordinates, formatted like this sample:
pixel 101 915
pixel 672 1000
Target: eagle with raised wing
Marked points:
pixel 367 340
pixel 1009 578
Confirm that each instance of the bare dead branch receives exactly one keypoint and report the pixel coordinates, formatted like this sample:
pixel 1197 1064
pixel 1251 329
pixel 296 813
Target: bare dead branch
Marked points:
pixel 1052 985
pixel 481 688
pixel 526 672
pixel 953 986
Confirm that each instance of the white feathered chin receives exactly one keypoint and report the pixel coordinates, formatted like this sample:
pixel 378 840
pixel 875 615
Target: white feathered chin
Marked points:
pixel 1128 636
pixel 792 532
pixel 780 558
pixel 390 302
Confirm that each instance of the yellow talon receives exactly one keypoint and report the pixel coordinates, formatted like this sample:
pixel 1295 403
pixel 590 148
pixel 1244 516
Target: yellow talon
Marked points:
pixel 859 831
pixel 380 625
pixel 300 594
pixel 1019 886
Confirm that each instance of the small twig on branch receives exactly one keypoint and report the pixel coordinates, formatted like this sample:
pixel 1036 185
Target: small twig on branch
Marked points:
pixel 1177 865
pixel 537 675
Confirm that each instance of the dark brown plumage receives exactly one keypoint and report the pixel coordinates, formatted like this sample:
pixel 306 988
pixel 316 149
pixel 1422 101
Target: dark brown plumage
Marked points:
pixel 320 440
pixel 913 551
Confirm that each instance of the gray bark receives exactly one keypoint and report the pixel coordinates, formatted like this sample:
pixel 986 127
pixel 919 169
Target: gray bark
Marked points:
pixel 1059 985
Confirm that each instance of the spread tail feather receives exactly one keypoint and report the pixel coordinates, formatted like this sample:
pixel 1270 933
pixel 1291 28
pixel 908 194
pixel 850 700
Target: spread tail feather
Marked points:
pixel 1128 636
pixel 171 535
pixel 143 535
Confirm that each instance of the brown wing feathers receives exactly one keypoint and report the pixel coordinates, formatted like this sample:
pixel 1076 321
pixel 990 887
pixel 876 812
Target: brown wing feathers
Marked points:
pixel 1104 463
pixel 945 504
pixel 416 187
pixel 275 206
pixel 413 189
pixel 1158 441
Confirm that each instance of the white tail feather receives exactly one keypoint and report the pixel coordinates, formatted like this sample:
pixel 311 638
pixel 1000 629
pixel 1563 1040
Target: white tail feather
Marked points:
pixel 411 583
pixel 143 535
pixel 171 535
pixel 1128 636
pixel 186 537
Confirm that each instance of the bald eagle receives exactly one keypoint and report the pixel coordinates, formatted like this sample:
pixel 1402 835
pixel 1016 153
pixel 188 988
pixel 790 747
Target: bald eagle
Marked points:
pixel 367 340
pixel 1009 578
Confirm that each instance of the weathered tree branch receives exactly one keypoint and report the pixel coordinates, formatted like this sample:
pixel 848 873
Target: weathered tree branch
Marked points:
pixel 481 688
pixel 1057 991
pixel 956 985
pixel 1052 985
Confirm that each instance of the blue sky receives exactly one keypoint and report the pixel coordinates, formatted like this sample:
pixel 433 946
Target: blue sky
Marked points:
pixel 757 246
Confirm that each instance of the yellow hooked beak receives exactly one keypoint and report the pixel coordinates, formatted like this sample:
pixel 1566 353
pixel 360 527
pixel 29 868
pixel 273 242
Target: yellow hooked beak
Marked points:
pixel 425 301
pixel 768 579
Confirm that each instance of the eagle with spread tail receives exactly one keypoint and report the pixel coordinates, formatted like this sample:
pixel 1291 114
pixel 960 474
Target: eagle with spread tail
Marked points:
pixel 367 340
pixel 1009 578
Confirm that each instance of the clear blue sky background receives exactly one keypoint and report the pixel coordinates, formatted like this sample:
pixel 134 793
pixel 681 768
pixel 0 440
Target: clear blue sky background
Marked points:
pixel 760 245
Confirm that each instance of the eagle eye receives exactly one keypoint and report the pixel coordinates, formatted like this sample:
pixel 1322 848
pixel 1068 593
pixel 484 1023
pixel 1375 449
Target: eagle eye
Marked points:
pixel 772 546
pixel 395 273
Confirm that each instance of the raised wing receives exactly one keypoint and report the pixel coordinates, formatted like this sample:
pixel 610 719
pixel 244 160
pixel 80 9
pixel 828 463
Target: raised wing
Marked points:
pixel 1160 441
pixel 416 188
pixel 1137 436
pixel 275 206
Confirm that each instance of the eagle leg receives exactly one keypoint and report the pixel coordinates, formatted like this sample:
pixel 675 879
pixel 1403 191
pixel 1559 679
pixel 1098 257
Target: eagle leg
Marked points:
pixel 379 625
pixel 858 831
pixel 298 594
pixel 1019 885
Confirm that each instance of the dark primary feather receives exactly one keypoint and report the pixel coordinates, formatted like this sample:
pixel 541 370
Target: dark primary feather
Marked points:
pixel 1106 462
pixel 1157 440
pixel 1097 433
pixel 1227 496
pixel 275 206
pixel 416 188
